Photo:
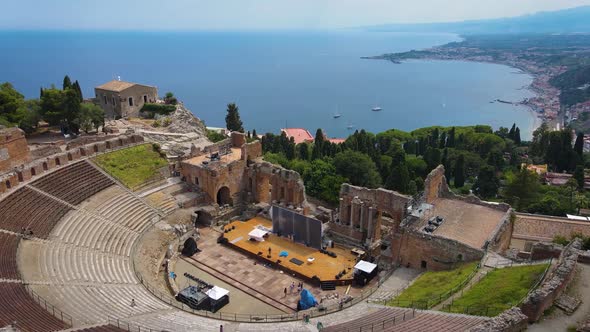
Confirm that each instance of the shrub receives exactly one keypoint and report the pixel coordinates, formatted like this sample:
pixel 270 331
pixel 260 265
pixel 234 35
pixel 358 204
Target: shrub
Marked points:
pixel 167 122
pixel 152 109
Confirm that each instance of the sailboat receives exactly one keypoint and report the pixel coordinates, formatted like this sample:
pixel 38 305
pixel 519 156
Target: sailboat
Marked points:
pixel 337 114
pixel 376 108
pixel 350 126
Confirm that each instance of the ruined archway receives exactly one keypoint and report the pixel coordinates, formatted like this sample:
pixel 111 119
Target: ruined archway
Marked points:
pixel 224 196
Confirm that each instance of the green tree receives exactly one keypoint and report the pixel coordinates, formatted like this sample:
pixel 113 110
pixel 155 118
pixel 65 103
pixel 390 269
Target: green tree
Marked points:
pixel 522 188
pixel 579 176
pixel 232 118
pixel 399 178
pixel 517 136
pixel 487 183
pixel 11 104
pixel 254 135
pixel 318 144
pixel 303 150
pixel 170 99
pixel 32 116
pixel 459 171
pixel 67 84
pixel 61 107
pixel 358 168
pixel 76 87
pixel 91 117
pixel 451 139
pixel 579 145
pixel 432 157
pixel 322 181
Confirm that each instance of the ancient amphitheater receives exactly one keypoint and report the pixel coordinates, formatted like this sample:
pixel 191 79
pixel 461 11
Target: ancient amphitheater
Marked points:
pixel 73 256
pixel 73 268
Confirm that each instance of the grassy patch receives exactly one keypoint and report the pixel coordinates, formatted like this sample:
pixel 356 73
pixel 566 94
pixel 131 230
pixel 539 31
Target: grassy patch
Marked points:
pixel 432 287
pixel 132 166
pixel 499 290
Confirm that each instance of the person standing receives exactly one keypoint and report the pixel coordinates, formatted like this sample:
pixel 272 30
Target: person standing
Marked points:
pixel 292 287
pixel 285 291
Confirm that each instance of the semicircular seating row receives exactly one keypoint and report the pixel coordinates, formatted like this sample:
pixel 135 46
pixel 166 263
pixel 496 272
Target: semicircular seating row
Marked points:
pixel 34 208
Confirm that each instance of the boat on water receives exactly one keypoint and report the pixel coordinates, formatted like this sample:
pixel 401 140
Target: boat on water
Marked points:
pixel 337 115
pixel 376 109
pixel 350 126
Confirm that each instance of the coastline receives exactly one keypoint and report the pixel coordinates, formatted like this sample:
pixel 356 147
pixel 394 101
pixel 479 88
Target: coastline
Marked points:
pixel 544 106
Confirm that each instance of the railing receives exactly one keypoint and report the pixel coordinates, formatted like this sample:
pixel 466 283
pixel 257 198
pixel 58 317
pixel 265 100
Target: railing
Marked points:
pixel 258 318
pixel 432 301
pixel 383 324
pixel 48 306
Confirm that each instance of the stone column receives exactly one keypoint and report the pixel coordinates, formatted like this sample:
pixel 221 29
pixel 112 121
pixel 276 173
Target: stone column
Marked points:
pixel 370 222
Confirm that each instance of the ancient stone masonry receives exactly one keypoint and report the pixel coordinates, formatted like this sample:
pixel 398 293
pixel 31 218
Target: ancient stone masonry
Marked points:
pixel 511 320
pixel 14 150
pixel 417 249
pixel 231 172
pixel 554 284
pixel 361 212
pixel 435 184
pixel 544 228
pixel 28 171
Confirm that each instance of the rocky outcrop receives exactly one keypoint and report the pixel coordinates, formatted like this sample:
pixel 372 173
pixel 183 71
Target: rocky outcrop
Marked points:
pixel 184 133
pixel 183 121
pixel 511 320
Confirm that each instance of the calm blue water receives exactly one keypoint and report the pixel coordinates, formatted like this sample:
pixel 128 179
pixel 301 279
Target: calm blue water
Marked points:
pixel 298 79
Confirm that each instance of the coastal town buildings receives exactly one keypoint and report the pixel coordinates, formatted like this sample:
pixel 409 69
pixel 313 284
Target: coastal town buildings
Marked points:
pixel 120 99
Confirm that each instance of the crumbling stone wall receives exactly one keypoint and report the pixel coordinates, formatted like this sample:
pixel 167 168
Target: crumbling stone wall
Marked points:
pixel 511 320
pixel 435 184
pixel 501 236
pixel 554 284
pixel 14 150
pixel 28 171
pixel 361 210
pixel 271 183
pixel 421 250
pixel 542 250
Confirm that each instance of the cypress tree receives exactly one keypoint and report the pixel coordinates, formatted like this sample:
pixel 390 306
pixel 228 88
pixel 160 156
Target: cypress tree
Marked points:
pixel 40 92
pixel 67 83
pixel 517 136
pixel 451 139
pixel 579 145
pixel 254 136
pixel 512 131
pixel 579 176
pixel 460 171
pixel 303 151
pixel 76 87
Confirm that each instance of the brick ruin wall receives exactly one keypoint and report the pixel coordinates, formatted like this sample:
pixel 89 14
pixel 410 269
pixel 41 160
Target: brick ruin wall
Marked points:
pixel 554 284
pixel 500 238
pixel 26 172
pixel 274 184
pixel 511 320
pixel 412 247
pixel 14 150
pixel 435 184
pixel 360 213
pixel 545 228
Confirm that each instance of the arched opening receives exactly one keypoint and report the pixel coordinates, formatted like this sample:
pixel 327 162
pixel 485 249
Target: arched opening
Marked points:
pixel 33 171
pixel 95 147
pixel 224 196
pixel 7 184
pixel 109 146
pixel 70 158
pixel 57 162
pixel 20 176
pixel 44 166
pixel 83 152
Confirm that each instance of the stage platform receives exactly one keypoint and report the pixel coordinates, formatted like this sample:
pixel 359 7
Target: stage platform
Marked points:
pixel 323 266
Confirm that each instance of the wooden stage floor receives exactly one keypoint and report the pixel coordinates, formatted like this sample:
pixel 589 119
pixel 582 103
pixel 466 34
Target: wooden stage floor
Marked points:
pixel 324 267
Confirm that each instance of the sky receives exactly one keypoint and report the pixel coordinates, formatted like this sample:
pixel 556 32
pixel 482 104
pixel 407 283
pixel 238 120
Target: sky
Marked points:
pixel 255 14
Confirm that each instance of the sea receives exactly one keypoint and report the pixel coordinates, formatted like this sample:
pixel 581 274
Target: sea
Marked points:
pixel 279 79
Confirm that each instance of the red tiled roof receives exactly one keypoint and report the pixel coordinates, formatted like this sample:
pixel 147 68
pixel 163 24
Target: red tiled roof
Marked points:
pixel 337 140
pixel 300 135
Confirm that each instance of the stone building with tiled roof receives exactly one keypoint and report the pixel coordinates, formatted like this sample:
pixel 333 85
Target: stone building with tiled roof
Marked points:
pixel 121 99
